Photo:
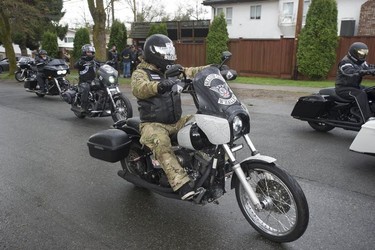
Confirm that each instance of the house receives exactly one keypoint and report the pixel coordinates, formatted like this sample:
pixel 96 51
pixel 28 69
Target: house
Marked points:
pixel 277 18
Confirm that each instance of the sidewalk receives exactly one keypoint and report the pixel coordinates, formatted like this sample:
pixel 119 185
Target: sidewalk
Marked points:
pixel 271 87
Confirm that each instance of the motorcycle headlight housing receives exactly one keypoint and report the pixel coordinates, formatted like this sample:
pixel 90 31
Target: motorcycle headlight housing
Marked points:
pixel 112 79
pixel 61 72
pixel 237 125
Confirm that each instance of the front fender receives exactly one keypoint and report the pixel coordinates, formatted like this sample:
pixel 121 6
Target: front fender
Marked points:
pixel 253 159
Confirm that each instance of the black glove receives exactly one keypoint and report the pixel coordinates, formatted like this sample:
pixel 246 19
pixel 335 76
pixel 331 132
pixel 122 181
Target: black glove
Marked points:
pixel 362 72
pixel 173 70
pixel 166 85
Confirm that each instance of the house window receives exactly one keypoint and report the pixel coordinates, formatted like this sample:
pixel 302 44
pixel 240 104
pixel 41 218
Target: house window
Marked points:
pixel 255 11
pixel 288 9
pixel 228 15
pixel 69 39
pixel 306 6
pixel 219 11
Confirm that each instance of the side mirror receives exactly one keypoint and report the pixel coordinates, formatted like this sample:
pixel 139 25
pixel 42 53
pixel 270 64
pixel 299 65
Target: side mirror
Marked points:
pixel 225 55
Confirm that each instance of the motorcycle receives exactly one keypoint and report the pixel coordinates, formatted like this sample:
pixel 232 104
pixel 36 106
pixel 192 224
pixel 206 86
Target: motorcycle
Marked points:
pixel 270 199
pixel 25 69
pixel 325 110
pixel 364 142
pixel 105 97
pixel 55 72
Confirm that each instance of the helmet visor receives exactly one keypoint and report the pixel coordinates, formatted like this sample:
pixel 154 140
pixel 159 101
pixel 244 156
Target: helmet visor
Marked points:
pixel 362 53
pixel 168 52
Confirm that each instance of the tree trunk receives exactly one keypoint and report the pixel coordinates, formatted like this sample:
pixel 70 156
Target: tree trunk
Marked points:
pixel 5 33
pixel 99 33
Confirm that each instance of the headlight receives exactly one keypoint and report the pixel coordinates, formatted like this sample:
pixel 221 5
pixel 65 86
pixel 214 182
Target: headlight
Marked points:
pixel 112 79
pixel 237 125
pixel 61 72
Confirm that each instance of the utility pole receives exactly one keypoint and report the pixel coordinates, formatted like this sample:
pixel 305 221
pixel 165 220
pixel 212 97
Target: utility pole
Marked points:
pixel 297 31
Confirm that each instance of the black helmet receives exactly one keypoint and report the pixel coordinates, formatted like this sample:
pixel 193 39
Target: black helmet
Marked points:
pixel 159 51
pixel 88 48
pixel 42 52
pixel 358 52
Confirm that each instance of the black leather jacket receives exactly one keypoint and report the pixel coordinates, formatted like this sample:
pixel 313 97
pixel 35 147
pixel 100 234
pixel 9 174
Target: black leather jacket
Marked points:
pixel 348 73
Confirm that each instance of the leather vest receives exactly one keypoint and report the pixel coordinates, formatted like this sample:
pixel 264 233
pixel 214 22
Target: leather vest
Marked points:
pixel 162 108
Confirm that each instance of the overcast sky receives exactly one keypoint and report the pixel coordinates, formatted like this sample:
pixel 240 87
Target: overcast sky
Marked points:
pixel 77 11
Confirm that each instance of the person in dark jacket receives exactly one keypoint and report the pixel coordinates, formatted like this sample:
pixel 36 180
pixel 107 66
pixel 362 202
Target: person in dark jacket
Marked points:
pixel 41 60
pixel 126 56
pixel 87 67
pixel 160 109
pixel 350 71
pixel 113 56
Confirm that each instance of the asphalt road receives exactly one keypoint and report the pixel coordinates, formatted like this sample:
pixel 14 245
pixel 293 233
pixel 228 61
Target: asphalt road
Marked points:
pixel 53 195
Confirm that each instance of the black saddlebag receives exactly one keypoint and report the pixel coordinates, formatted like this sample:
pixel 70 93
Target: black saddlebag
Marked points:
pixel 30 83
pixel 310 106
pixel 109 145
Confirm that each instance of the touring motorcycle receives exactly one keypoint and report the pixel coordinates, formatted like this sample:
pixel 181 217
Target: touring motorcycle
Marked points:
pixel 105 97
pixel 326 110
pixel 55 72
pixel 25 69
pixel 270 199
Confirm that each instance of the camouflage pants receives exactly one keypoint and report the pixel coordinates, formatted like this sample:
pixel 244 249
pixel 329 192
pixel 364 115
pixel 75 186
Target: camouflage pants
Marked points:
pixel 156 136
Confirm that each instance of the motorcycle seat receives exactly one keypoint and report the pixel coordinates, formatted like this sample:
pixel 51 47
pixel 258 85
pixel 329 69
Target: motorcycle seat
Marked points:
pixel 332 93
pixel 133 122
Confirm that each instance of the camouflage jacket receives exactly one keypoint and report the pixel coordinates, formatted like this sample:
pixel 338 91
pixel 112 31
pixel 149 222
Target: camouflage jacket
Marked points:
pixel 155 107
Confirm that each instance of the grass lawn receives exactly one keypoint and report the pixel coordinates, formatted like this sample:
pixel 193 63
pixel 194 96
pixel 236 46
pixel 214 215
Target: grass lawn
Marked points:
pixel 73 78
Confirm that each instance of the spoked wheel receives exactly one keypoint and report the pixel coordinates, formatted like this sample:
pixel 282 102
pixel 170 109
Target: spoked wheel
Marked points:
pixel 19 76
pixel 285 214
pixel 321 126
pixel 123 108
pixel 135 163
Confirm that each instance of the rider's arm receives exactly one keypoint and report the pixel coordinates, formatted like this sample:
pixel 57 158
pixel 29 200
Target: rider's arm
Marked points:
pixel 349 69
pixel 191 71
pixel 142 87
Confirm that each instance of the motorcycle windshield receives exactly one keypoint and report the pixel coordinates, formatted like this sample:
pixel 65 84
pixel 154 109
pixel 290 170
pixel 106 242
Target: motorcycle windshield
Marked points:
pixel 214 96
pixel 58 63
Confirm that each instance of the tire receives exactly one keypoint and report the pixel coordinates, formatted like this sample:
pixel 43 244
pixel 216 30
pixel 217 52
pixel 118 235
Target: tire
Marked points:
pixel 40 95
pixel 1 70
pixel 130 166
pixel 123 109
pixel 321 126
pixel 285 213
pixel 19 77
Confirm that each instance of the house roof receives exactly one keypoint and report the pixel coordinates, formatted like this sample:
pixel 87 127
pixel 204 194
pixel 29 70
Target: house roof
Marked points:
pixel 211 2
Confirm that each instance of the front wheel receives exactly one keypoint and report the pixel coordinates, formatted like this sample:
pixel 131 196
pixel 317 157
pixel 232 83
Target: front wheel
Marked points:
pixel 321 126
pixel 123 108
pixel 19 76
pixel 285 213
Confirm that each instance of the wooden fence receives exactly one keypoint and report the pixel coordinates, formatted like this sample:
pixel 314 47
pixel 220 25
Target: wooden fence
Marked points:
pixel 268 57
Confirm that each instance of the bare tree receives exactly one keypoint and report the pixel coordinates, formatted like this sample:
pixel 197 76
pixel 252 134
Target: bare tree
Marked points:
pixel 190 11
pixel 147 11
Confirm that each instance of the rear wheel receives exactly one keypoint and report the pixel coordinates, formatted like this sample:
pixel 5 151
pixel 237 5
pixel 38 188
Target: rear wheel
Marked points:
pixel 321 126
pixel 285 214
pixel 123 108
pixel 135 163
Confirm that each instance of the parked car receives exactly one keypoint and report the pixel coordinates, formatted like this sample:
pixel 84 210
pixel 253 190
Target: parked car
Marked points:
pixel 4 65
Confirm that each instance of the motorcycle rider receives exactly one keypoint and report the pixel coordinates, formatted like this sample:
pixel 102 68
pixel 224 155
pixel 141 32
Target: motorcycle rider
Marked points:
pixel 160 110
pixel 41 60
pixel 87 67
pixel 350 71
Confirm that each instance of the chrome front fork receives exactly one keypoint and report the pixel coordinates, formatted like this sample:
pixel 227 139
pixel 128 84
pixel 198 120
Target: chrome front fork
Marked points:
pixel 241 175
